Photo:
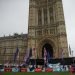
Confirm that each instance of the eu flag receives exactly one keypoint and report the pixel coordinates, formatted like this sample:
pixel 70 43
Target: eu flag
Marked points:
pixel 15 54
pixel 28 58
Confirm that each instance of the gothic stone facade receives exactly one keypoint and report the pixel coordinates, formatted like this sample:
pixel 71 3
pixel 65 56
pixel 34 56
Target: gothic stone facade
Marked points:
pixel 8 46
pixel 46 28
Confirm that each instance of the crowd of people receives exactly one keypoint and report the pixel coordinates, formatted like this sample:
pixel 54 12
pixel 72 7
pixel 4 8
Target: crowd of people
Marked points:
pixel 32 68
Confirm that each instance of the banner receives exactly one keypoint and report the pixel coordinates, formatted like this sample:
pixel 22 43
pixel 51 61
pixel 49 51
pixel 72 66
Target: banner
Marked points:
pixel 38 70
pixel 49 70
pixel 7 69
pixel 15 69
pixel 23 69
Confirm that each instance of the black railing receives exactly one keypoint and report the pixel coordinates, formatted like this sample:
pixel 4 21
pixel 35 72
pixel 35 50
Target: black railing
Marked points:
pixel 65 61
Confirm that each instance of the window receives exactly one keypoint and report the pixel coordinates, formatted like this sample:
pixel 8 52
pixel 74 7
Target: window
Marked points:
pixel 51 15
pixel 39 17
pixel 45 16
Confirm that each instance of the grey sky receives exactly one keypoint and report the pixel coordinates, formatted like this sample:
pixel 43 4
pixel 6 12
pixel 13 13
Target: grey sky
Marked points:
pixel 14 18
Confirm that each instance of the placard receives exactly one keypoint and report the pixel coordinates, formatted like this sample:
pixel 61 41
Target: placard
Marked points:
pixel 48 70
pixel 23 69
pixel 38 70
pixel 7 69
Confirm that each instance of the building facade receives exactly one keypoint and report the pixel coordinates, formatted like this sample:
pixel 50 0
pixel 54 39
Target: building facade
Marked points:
pixel 9 45
pixel 46 28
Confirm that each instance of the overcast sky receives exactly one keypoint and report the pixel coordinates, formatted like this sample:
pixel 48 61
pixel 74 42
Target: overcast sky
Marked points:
pixel 14 18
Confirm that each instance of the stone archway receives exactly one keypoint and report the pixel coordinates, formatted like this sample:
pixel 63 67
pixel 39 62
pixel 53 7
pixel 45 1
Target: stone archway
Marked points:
pixel 49 50
pixel 50 46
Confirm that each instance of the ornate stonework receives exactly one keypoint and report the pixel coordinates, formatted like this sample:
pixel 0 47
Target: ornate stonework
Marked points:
pixel 47 26
pixel 8 46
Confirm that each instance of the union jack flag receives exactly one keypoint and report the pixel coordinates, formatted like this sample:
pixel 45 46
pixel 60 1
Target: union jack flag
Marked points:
pixel 45 55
